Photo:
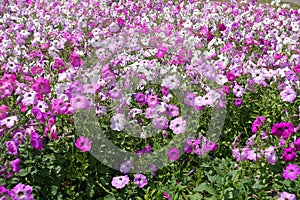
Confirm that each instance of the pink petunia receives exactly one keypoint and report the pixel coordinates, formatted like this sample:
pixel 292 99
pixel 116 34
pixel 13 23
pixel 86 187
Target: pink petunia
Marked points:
pixel 291 172
pixel 120 181
pixel 83 144
pixel 178 125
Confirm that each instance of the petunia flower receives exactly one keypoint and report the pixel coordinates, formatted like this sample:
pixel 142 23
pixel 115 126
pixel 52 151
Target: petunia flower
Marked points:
pixel 83 144
pixel 120 182
pixel 291 172
pixel 140 180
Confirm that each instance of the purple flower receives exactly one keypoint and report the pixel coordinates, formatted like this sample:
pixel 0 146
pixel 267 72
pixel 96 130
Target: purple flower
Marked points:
pixel 288 94
pixel 221 27
pixel 173 154
pixel 126 167
pixel 209 146
pixel 120 181
pixel 9 122
pixel 36 141
pixel 238 102
pixel 140 180
pixel 18 137
pixel 178 125
pixel 38 114
pixel 83 144
pixel 288 129
pixel 21 192
pixel 117 122
pixel 79 102
pixel 3 112
pixel 75 60
pixel 190 99
pixel 167 196
pixel 14 165
pixel 252 155
pixel 291 172
pixel 271 155
pixel 160 123
pixel 289 154
pixel 154 170
pixel 165 91
pixel 238 91
pixel 277 129
pixel 297 144
pixel 285 196
pixel 251 140
pixel 115 93
pixel 42 85
pixel 257 123
pixel 172 110
pixel 12 148
pixel 241 154
pixel 3 190
pixel 140 98
pixel 152 100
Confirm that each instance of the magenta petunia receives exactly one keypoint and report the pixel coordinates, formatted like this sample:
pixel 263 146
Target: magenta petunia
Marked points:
pixel 297 144
pixel 277 129
pixel 238 102
pixel 36 141
pixel 140 98
pixel 75 60
pixel 288 129
pixel 21 192
pixel 165 91
pixel 289 154
pixel 3 112
pixel 12 148
pixel 14 165
pixel 161 51
pixel 83 144
pixel 42 85
pixel 221 27
pixel 140 180
pixel 152 100
pixel 172 110
pixel 167 196
pixel 257 123
pixel 173 154
pixel 291 172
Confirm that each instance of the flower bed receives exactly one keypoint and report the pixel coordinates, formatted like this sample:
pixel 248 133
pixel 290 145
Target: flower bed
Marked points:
pixel 149 100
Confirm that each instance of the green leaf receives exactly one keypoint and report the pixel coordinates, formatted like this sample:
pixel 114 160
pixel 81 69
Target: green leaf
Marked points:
pixel 53 189
pixel 257 186
pixel 195 196
pixel 23 172
pixel 109 197
pixel 205 187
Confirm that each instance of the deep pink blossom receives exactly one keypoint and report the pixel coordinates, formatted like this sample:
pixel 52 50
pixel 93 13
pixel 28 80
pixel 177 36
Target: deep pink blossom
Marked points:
pixel 41 85
pixel 291 172
pixel 289 154
pixel 83 144
pixel 173 154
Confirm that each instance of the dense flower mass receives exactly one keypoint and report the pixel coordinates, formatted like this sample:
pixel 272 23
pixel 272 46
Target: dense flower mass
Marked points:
pixel 159 77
